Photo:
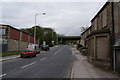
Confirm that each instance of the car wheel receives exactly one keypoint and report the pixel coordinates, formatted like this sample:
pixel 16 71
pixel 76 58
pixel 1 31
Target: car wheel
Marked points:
pixel 35 55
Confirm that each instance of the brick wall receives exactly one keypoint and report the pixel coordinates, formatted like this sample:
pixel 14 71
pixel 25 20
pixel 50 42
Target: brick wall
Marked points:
pixel 31 39
pixel 14 34
pixel 24 37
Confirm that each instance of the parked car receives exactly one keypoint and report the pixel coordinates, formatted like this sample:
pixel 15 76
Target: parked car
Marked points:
pixel 27 53
pixel 34 47
pixel 45 47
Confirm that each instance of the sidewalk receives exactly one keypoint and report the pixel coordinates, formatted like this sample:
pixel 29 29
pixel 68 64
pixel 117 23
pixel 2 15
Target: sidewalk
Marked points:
pixel 9 57
pixel 83 69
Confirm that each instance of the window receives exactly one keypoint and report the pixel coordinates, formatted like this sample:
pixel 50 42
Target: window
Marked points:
pixel 2 31
pixel 3 41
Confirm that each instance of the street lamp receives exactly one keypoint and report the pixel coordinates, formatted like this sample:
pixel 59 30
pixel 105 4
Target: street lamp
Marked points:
pixel 35 26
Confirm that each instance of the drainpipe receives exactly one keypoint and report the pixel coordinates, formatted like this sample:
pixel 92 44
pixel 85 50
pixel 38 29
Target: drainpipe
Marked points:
pixel 114 62
pixel 113 39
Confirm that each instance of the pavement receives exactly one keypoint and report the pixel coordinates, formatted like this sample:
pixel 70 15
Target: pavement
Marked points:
pixel 9 57
pixel 83 69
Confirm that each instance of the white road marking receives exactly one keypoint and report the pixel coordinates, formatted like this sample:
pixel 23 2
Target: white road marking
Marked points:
pixel 58 51
pixel 43 59
pixel 28 64
pixel 2 75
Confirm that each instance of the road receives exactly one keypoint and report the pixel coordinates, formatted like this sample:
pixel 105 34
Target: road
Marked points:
pixel 55 63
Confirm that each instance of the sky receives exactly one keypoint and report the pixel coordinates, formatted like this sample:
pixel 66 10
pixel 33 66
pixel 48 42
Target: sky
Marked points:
pixel 64 17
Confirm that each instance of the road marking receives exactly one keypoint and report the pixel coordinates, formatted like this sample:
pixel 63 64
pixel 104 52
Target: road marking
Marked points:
pixel 56 46
pixel 43 59
pixel 29 65
pixel 2 75
pixel 58 51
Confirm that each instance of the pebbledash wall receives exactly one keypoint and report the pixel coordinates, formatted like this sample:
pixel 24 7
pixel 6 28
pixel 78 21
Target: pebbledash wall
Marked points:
pixel 102 38
pixel 14 39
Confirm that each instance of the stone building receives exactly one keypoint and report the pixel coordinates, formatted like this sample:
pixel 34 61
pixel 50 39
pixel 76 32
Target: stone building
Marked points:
pixel 13 39
pixel 103 36
pixel 116 25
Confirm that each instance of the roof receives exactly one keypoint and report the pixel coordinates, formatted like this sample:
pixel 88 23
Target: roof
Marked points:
pixel 8 26
pixel 16 29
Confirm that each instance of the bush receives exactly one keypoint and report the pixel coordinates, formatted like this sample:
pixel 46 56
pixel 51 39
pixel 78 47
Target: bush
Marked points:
pixel 79 46
pixel 83 50
pixel 9 54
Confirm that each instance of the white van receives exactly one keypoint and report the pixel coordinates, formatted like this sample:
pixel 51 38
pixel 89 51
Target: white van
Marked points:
pixel 34 47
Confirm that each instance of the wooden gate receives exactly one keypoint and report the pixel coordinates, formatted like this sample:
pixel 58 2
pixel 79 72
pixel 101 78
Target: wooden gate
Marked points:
pixel 102 46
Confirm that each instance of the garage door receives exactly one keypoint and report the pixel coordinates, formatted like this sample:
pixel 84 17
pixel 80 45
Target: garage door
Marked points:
pixel 118 59
pixel 102 47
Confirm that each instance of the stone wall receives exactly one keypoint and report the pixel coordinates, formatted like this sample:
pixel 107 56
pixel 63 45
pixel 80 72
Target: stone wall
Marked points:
pixel 23 45
pixel 117 20
pixel 13 45
pixel 117 33
pixel 16 45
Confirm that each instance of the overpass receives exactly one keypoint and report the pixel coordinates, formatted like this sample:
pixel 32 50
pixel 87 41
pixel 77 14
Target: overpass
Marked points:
pixel 67 39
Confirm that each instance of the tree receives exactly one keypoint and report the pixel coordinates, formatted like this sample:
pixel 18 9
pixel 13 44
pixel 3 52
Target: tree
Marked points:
pixel 82 29
pixel 44 34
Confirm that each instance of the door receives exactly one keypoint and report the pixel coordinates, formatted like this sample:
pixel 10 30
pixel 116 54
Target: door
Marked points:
pixel 102 47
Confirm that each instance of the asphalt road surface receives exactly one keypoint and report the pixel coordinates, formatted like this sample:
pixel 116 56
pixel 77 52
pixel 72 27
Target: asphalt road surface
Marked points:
pixel 55 63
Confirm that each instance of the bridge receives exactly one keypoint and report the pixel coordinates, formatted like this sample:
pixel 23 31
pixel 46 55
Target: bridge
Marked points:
pixel 67 39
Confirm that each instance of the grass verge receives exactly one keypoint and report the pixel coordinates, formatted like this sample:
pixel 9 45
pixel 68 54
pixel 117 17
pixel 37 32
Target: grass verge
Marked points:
pixel 8 54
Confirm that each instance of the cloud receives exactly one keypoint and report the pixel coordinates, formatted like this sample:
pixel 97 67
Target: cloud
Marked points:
pixel 65 17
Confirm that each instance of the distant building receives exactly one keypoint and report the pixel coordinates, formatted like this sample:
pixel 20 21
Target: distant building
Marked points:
pixel 13 39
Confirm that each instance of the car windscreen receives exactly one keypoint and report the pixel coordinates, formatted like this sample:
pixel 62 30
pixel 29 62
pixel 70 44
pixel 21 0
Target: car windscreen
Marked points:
pixel 25 50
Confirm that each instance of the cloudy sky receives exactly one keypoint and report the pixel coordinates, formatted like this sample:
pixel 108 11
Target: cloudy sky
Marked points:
pixel 64 17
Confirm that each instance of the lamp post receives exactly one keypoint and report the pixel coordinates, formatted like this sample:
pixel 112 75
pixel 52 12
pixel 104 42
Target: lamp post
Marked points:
pixel 35 28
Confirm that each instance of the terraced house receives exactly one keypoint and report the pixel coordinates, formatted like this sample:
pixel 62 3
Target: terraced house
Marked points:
pixel 13 39
pixel 102 38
